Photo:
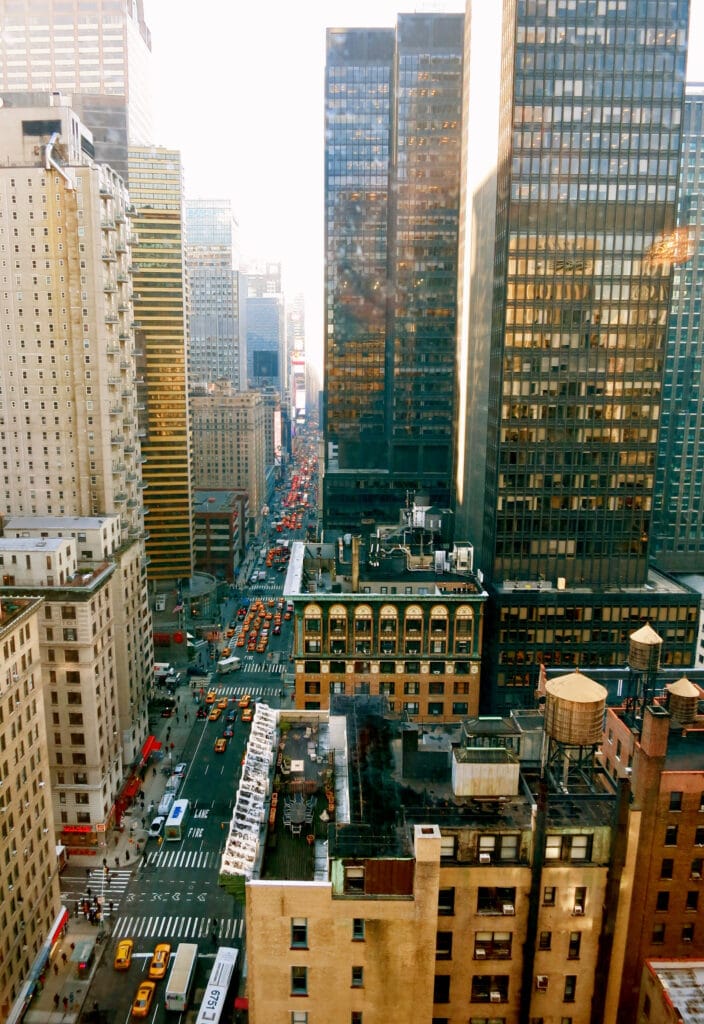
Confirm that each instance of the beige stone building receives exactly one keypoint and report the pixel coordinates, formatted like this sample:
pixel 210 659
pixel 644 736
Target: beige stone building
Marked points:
pixel 68 408
pixel 29 880
pixel 229 445
pixel 445 881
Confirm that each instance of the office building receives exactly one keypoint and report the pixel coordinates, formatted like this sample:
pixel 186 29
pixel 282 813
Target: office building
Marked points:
pixel 29 882
pixel 221 518
pixel 228 446
pixel 677 505
pixel 156 189
pixel 213 342
pixel 397 615
pixel 96 53
pixel 392 128
pixel 568 207
pixel 69 430
pixel 507 896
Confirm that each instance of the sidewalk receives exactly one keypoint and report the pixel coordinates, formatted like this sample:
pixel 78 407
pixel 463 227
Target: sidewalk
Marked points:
pixel 124 848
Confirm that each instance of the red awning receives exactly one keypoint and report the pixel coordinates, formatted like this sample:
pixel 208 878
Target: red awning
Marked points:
pixel 61 919
pixel 150 745
pixel 131 789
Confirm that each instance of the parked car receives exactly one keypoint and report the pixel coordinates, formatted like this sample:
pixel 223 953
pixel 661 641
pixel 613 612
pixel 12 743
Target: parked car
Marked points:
pixel 180 768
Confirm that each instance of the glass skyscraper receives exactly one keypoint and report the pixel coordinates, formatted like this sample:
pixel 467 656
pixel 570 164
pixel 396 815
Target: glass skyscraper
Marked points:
pixel 571 143
pixel 393 102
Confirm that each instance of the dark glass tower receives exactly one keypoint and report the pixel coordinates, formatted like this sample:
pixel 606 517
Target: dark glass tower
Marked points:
pixel 572 142
pixel 679 512
pixel 393 103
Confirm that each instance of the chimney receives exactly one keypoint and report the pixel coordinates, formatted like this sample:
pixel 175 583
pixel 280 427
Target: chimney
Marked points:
pixel 355 564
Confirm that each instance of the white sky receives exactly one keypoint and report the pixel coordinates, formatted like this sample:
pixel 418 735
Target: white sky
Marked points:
pixel 238 88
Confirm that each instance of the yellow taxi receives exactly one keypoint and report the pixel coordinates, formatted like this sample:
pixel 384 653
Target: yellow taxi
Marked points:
pixel 160 960
pixel 143 1000
pixel 210 697
pixel 247 714
pixel 220 745
pixel 222 703
pixel 245 700
pixel 214 714
pixel 123 954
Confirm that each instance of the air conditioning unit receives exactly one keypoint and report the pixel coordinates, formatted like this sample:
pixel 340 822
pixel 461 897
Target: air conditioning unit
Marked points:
pixel 541 982
pixel 696 874
pixel 494 996
pixel 507 909
pixel 485 858
pixel 578 910
pixel 480 954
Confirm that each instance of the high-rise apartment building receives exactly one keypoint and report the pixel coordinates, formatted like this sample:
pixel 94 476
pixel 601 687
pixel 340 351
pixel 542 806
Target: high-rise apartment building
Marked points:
pixel 393 111
pixel 97 53
pixel 69 407
pixel 29 882
pixel 571 149
pixel 678 519
pixel 156 189
pixel 213 342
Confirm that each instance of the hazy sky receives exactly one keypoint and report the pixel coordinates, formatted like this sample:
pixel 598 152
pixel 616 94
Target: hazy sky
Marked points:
pixel 239 90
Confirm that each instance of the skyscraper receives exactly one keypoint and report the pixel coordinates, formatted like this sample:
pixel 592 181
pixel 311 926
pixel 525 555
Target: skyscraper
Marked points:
pixel 678 509
pixel 97 53
pixel 393 103
pixel 156 188
pixel 572 132
pixel 213 343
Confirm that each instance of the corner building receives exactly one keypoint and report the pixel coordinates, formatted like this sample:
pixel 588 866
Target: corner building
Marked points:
pixel 571 145
pixel 393 111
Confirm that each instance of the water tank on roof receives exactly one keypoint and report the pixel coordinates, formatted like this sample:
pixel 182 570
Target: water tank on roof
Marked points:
pixel 683 699
pixel 644 648
pixel 574 710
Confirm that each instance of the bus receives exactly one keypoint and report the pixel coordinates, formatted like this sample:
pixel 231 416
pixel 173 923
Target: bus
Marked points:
pixel 175 823
pixel 215 993
pixel 178 987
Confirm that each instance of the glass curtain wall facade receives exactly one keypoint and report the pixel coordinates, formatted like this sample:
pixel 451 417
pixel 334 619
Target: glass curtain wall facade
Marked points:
pixel 213 344
pixel 572 213
pixel 679 513
pixel 393 101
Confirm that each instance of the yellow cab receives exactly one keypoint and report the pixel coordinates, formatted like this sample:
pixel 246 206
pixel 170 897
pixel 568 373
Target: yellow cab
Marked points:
pixel 210 697
pixel 160 960
pixel 143 1000
pixel 123 955
pixel 214 714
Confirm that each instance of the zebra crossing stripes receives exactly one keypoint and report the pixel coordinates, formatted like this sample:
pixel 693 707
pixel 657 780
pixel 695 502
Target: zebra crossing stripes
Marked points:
pixel 178 927
pixel 190 859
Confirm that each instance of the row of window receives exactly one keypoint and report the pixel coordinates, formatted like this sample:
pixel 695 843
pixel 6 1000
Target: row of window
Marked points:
pixel 501 899
pixel 494 988
pixel 458 668
pixel 498 945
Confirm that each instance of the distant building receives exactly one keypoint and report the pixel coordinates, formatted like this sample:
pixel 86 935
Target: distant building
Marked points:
pixel 400 616
pixel 156 188
pixel 221 519
pixel 213 342
pixel 32 915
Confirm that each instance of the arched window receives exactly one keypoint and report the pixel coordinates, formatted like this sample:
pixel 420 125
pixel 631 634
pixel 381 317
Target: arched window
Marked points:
pixel 464 629
pixel 337 625
pixel 363 629
pixel 413 629
pixel 388 629
pixel 439 626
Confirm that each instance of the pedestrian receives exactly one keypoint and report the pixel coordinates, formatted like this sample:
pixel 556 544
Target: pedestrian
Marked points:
pixel 127 854
pixel 56 968
pixel 64 959
pixel 70 998
pixel 65 1002
pixel 117 862
pixel 154 770
pixel 56 1000
pixel 111 905
pixel 88 891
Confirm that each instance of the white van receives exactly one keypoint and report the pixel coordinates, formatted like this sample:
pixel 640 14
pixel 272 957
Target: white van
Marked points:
pixel 167 802
pixel 173 783
pixel 230 664
pixel 164 668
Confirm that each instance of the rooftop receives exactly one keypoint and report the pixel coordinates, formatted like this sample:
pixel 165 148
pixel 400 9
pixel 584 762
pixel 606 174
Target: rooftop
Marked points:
pixel 683 985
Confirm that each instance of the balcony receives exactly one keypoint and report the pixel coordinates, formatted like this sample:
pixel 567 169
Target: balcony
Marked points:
pixel 115 410
pixel 117 439
pixel 120 498
pixel 108 256
pixel 110 318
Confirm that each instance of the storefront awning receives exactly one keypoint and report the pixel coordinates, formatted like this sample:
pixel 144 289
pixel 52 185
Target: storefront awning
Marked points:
pixel 131 789
pixel 60 921
pixel 150 745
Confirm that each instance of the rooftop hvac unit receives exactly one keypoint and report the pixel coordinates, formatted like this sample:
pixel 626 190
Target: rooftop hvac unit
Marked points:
pixel 494 996
pixel 485 858
pixel 541 982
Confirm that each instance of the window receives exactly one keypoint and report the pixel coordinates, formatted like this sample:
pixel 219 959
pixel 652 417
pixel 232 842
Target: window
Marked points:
pixel 443 946
pixel 499 899
pixel 549 896
pixel 688 933
pixel 299 932
pixel 545 940
pixel 446 902
pixel 356 1017
pixel 662 901
pixel 699 836
pixel 568 847
pixel 666 867
pixel 357 977
pixel 299 981
pixel 299 1017
pixel 671 835
pixel 492 945
pixel 692 901
pixel 658 934
pixel 675 801
pixel 498 847
pixel 441 988
pixel 358 929
pixel 489 988
pixel 695 870
pixel 574 946
pixel 570 988
pixel 354 879
pixel 447 847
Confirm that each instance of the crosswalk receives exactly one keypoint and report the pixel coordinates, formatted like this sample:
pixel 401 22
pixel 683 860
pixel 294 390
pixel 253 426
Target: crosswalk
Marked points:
pixel 190 859
pixel 251 665
pixel 172 926
pixel 238 691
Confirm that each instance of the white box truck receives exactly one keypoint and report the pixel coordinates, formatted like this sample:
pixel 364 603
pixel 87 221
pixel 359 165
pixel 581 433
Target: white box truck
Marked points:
pixel 230 664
